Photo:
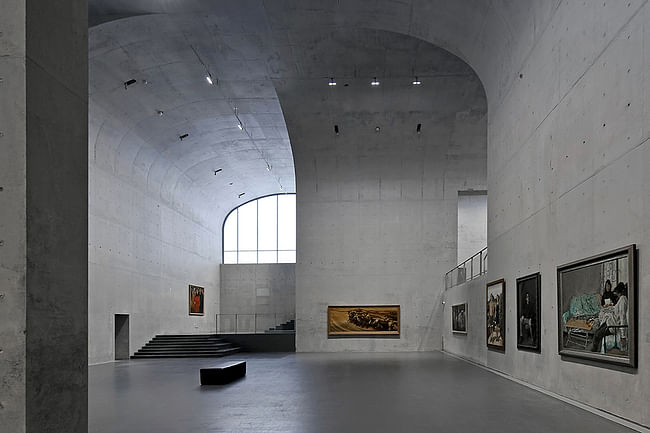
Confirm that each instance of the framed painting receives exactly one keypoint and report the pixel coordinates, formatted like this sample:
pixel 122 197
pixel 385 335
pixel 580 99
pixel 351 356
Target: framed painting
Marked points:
pixel 459 318
pixel 528 312
pixel 597 307
pixel 496 315
pixel 363 320
pixel 196 300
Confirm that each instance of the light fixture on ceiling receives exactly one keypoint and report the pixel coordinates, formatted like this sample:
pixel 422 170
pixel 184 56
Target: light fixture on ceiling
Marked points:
pixel 336 129
pixel 208 78
pixel 160 112
pixel 130 82
pixel 377 129
pixel 241 194
pixel 418 129
pixel 268 166
pixel 416 81
pixel 374 82
pixel 217 171
pixel 182 137
pixel 240 125
pixel 332 82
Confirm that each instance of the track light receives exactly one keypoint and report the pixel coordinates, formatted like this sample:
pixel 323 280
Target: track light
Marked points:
pixel 217 171
pixel 130 82
pixel 418 129
pixel 240 126
pixel 241 195
pixel 416 82
pixel 208 78
pixel 183 136
pixel 268 167
pixel 332 82
pixel 336 129
pixel 377 129
pixel 160 112
pixel 374 82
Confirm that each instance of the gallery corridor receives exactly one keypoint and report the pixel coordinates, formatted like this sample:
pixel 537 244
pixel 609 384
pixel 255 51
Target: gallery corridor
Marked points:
pixel 326 392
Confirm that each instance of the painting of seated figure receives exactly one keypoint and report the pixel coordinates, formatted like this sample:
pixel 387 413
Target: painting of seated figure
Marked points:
pixel 596 306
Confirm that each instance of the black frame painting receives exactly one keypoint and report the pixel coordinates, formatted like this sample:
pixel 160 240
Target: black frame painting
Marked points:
pixel 597 306
pixel 529 312
pixel 495 300
pixel 459 318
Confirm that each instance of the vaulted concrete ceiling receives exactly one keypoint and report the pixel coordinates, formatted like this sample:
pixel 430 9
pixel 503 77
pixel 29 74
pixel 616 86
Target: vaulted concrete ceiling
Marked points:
pixel 250 47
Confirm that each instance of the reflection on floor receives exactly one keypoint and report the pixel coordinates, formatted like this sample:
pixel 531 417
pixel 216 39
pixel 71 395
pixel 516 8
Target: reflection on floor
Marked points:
pixel 304 393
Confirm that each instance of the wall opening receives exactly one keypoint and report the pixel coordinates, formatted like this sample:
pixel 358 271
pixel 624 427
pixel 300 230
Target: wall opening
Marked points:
pixel 121 336
pixel 472 223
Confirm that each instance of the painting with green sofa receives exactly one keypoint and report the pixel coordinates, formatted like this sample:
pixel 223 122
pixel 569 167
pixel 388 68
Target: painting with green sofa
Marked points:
pixel 596 307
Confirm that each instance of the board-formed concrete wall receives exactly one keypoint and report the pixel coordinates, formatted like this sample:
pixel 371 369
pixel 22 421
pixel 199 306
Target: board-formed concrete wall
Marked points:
pixel 267 291
pixel 472 223
pixel 142 257
pixel 377 208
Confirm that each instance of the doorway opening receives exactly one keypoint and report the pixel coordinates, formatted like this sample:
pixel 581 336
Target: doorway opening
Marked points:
pixel 121 336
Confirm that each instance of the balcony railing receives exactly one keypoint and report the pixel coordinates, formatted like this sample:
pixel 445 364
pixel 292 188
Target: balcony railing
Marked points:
pixel 468 270
pixel 252 323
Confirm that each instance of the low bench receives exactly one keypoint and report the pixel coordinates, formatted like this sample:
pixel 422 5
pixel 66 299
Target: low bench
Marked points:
pixel 223 373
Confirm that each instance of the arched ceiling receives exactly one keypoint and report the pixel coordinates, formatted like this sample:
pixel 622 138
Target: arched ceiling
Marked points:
pixel 249 47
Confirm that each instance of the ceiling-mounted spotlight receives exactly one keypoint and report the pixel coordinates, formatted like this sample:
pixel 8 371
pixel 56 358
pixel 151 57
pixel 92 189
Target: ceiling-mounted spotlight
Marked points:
pixel 332 82
pixel 374 82
pixel 418 129
pixel 184 136
pixel 416 81
pixel 240 126
pixel 268 167
pixel 160 112
pixel 377 129
pixel 230 183
pixel 208 78
pixel 336 129
pixel 130 82
pixel 217 171
pixel 241 194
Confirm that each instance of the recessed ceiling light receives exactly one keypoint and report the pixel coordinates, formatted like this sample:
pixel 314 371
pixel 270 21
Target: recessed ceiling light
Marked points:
pixel 374 82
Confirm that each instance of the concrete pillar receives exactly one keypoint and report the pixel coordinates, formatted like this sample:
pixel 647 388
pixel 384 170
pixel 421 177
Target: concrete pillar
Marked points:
pixel 43 216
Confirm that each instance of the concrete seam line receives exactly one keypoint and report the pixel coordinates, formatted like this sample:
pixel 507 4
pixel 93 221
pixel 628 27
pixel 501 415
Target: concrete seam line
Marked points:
pixel 604 414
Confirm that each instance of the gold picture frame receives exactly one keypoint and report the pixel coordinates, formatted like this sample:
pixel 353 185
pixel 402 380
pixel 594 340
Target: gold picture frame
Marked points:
pixel 359 320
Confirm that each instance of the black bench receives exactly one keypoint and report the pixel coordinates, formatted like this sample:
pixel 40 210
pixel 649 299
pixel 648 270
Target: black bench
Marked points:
pixel 223 373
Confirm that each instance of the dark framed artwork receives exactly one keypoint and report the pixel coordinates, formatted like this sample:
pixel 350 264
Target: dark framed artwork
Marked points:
pixel 363 320
pixel 528 312
pixel 459 318
pixel 597 307
pixel 496 314
pixel 197 294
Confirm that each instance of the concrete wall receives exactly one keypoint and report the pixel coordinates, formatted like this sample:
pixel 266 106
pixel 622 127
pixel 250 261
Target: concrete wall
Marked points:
pixel 377 211
pixel 472 345
pixel 472 223
pixel 568 178
pixel 265 290
pixel 143 254
pixel 43 229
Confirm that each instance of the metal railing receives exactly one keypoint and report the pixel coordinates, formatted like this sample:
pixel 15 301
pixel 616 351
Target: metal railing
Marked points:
pixel 468 270
pixel 251 323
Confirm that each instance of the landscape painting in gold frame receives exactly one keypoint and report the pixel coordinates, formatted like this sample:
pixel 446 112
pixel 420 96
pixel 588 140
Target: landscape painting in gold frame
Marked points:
pixel 363 320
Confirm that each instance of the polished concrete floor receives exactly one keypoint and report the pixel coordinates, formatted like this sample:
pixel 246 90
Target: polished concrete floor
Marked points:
pixel 305 393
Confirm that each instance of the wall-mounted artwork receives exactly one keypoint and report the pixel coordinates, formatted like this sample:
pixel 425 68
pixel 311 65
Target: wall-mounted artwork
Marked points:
pixel 363 320
pixel 496 314
pixel 196 300
pixel 459 319
pixel 596 307
pixel 528 312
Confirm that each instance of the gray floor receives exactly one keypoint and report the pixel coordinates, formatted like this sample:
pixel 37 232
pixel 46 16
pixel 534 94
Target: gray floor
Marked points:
pixel 393 393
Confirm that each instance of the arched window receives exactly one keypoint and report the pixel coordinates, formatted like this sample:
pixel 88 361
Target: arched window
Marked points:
pixel 261 231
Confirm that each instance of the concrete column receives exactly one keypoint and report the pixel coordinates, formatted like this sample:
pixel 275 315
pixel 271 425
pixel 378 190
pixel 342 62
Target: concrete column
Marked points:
pixel 43 216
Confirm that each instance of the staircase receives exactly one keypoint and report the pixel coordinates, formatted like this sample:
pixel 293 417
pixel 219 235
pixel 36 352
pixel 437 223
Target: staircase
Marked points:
pixel 185 346
pixel 285 328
